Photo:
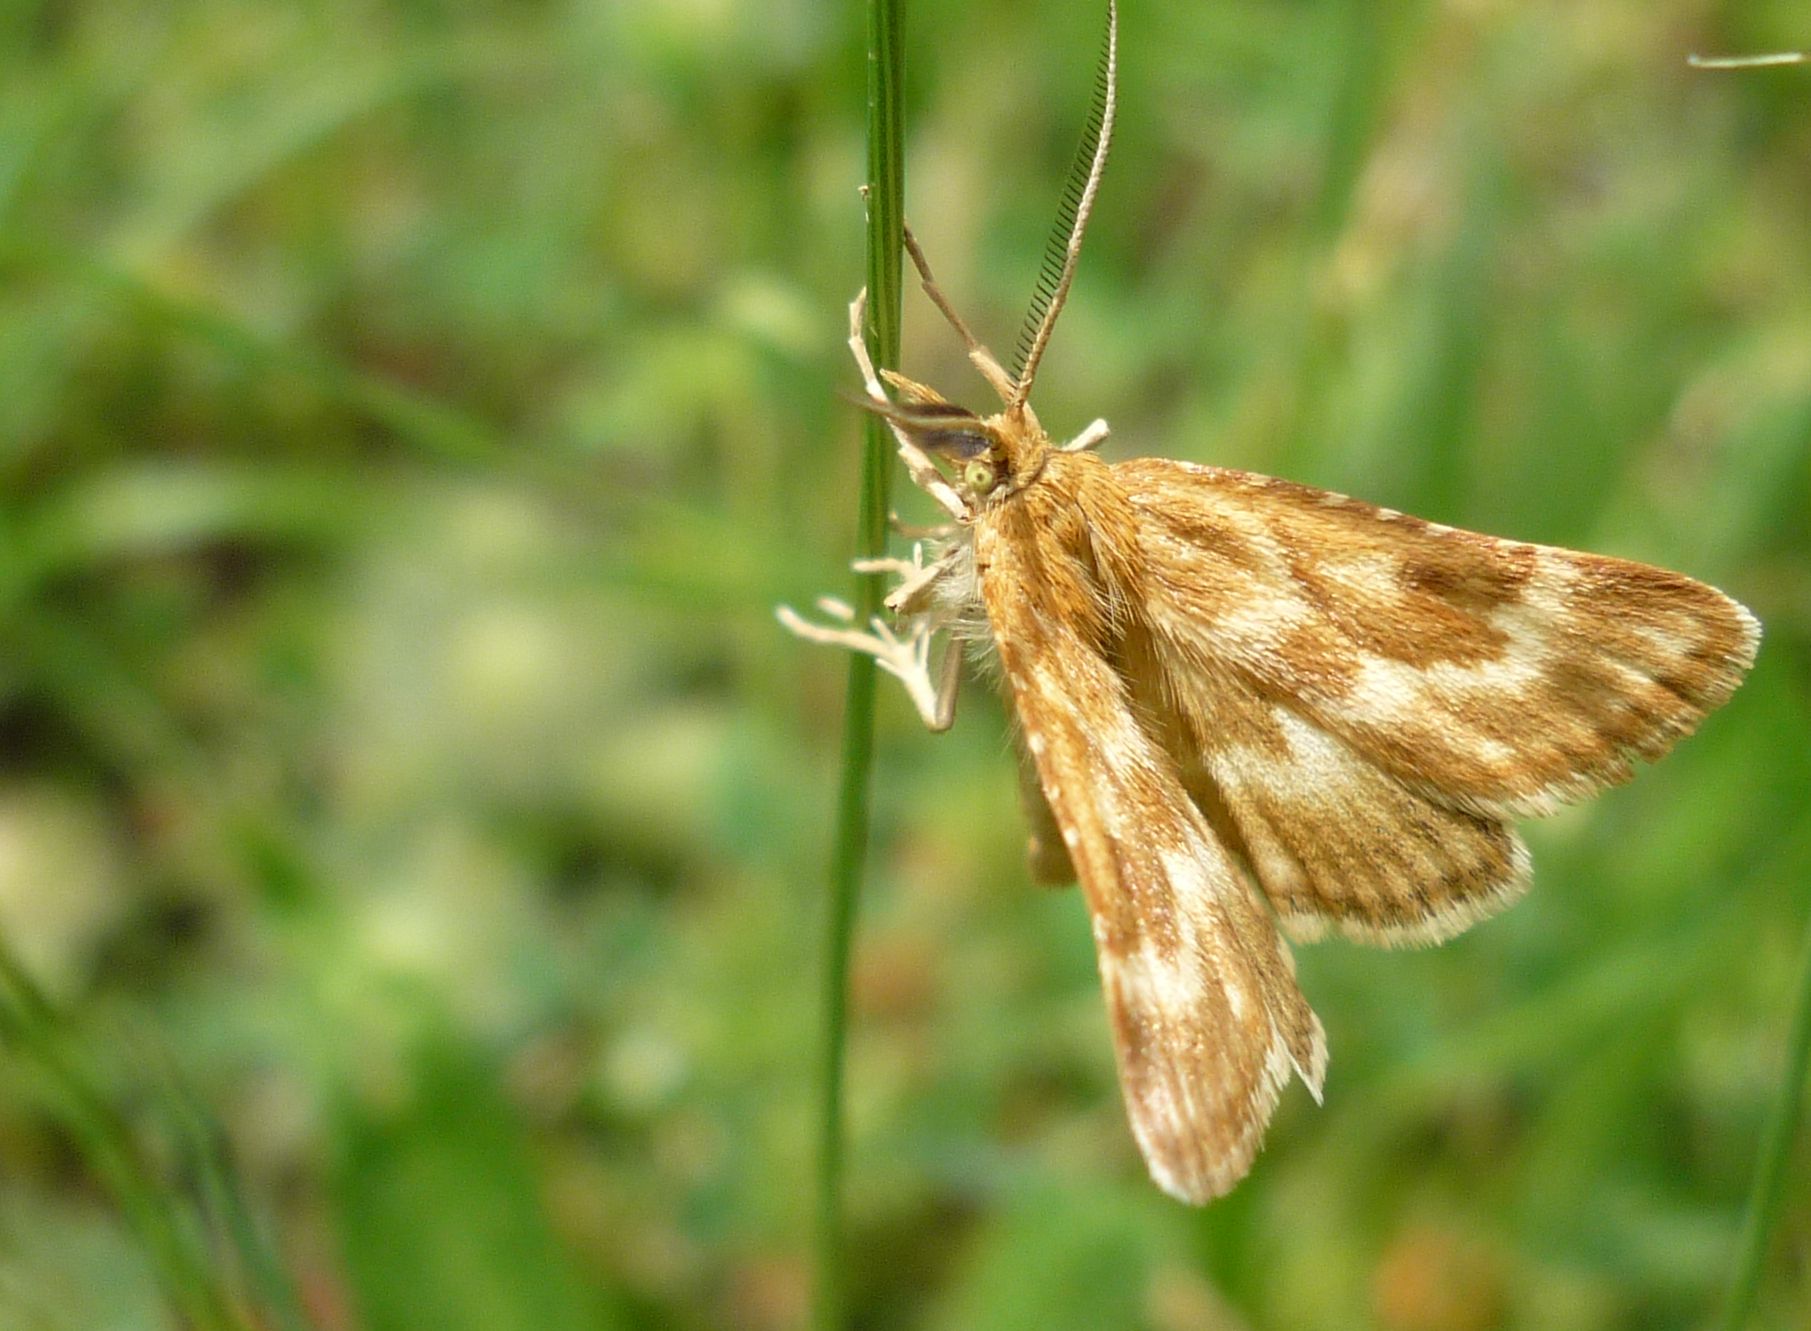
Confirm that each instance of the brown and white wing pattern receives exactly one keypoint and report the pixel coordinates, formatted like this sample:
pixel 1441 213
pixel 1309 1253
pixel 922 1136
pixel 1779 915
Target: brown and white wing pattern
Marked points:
pixel 1206 1017
pixel 1337 843
pixel 1363 699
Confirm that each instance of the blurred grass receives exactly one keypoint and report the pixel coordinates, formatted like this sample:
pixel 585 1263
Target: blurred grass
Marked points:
pixel 410 413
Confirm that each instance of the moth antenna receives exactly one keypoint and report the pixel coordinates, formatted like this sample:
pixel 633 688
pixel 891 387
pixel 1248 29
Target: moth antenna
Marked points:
pixel 1065 244
pixel 982 359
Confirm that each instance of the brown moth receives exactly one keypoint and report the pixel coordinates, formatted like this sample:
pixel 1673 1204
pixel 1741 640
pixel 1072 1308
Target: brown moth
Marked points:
pixel 1252 711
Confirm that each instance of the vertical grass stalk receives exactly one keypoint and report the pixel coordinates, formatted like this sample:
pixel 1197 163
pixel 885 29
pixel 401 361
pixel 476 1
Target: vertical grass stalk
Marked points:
pixel 31 1031
pixel 1768 1193
pixel 886 208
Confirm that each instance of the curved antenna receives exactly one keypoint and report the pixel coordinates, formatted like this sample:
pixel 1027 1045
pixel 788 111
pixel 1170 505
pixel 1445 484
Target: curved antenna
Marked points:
pixel 1065 244
pixel 982 359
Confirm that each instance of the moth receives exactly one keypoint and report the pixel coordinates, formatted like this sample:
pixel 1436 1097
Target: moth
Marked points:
pixel 1251 711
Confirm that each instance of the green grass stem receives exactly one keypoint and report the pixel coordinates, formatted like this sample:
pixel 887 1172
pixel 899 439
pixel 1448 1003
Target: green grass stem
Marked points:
pixel 886 210
pixel 1768 1193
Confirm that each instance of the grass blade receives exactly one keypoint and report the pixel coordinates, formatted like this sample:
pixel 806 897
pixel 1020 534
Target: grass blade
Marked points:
pixel 1768 1194
pixel 886 211
pixel 32 1029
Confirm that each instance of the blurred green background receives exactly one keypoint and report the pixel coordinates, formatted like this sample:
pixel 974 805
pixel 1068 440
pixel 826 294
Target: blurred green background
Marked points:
pixel 410 414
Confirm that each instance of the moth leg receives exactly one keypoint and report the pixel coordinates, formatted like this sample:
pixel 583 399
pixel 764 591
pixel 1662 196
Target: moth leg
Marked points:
pixel 917 531
pixel 918 464
pixel 942 713
pixel 982 359
pixel 858 346
pixel 1046 851
pixel 1090 438
pixel 915 577
pixel 907 658
pixel 903 568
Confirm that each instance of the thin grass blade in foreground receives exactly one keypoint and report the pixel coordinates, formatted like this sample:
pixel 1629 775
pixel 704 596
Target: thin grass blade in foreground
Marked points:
pixel 885 205
pixel 1768 1194
pixel 1747 61
pixel 191 1277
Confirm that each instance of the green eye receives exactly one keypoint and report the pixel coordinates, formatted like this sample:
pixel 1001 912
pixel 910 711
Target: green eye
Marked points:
pixel 978 476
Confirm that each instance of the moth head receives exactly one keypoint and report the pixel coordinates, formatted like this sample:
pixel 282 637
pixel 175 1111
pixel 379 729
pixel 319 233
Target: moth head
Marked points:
pixel 997 456
pixel 972 448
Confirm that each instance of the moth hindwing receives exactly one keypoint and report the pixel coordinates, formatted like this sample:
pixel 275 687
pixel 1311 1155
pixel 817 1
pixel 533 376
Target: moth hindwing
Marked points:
pixel 1249 709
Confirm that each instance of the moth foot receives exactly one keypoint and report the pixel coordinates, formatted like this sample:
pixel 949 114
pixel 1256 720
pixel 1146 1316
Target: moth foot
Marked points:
pixel 914 575
pixel 906 657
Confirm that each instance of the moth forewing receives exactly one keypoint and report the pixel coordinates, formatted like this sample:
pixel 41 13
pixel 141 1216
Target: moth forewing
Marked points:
pixel 1206 1018
pixel 1494 677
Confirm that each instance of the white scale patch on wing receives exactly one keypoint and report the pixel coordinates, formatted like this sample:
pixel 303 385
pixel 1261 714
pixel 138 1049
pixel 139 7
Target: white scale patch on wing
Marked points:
pixel 1260 624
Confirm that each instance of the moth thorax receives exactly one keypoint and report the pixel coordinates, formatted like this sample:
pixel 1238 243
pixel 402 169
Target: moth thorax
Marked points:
pixel 1022 445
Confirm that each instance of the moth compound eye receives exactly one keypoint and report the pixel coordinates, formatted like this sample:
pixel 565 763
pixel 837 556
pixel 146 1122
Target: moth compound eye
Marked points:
pixel 978 477
pixel 956 443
